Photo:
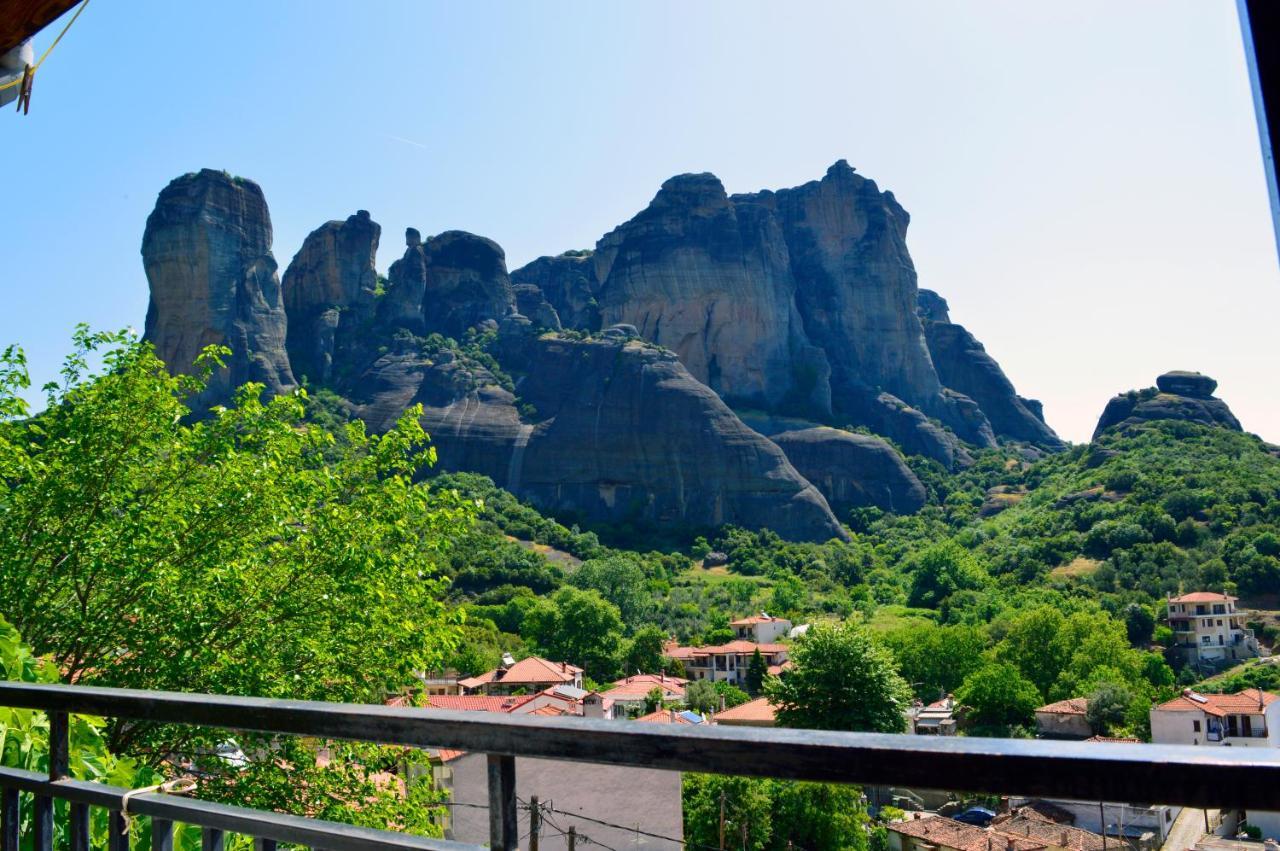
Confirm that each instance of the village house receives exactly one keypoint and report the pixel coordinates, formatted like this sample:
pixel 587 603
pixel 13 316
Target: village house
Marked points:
pixel 526 676
pixel 761 628
pixel 726 662
pixel 628 695
pixel 1064 719
pixel 1132 822
pixel 933 719
pixel 1250 718
pixel 1025 829
pixel 1207 629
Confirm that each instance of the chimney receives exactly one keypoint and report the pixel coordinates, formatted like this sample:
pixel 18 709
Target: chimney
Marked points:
pixel 1065 838
pixel 563 667
pixel 1009 843
pixel 916 815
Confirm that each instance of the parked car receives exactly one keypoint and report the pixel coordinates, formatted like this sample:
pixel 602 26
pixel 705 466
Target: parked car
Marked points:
pixel 977 816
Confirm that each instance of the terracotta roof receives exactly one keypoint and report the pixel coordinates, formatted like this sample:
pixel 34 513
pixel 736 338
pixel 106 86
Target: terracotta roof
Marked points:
pixel 758 710
pixel 754 619
pixel 1202 597
pixel 1070 706
pixel 1047 812
pixel 639 687
pixel 1117 740
pixel 478 702
pixel 1249 701
pixel 943 831
pixel 664 716
pixel 530 670
pixel 652 679
pixel 1041 832
pixel 448 754
pixel 548 710
pixel 740 645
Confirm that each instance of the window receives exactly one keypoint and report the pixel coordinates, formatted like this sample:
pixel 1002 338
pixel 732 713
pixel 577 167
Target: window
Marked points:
pixel 1206 639
pixel 1195 726
pixel 1219 621
pixel 1219 609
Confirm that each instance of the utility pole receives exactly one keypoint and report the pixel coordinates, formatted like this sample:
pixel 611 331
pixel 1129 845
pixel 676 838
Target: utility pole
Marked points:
pixel 721 820
pixel 573 838
pixel 535 822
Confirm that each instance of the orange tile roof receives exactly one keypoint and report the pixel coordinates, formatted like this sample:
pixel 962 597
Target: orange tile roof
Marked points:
pixel 548 710
pixel 449 754
pixel 753 620
pixel 1070 706
pixel 478 702
pixel 1249 701
pixel 1117 740
pixel 530 670
pixel 1202 597
pixel 1043 833
pixel 757 710
pixel 639 689
pixel 740 645
pixel 949 833
pixel 663 716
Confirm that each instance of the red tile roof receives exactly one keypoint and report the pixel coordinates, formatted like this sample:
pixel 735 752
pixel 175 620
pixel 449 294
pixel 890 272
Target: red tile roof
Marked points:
pixel 638 687
pixel 548 710
pixel 753 620
pixel 478 702
pixel 1116 740
pixel 949 833
pixel 1202 597
pixel 1251 700
pixel 740 645
pixel 756 711
pixel 530 670
pixel 1036 830
pixel 1070 706
pixel 663 716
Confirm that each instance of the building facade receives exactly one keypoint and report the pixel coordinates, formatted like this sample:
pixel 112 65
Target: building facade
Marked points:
pixel 1207 629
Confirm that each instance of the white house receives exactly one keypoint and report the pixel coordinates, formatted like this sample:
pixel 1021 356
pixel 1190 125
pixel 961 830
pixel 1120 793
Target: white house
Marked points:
pixel 1249 719
pixel 1208 629
pixel 762 628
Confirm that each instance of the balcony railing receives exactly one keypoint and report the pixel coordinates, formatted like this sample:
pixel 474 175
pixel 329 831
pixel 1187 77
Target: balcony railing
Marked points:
pixel 1191 776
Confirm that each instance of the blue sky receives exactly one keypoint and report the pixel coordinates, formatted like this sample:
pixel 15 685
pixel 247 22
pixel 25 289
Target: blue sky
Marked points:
pixel 1084 179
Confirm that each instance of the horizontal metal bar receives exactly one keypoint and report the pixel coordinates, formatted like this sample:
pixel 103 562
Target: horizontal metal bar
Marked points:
pixel 1199 776
pixel 278 827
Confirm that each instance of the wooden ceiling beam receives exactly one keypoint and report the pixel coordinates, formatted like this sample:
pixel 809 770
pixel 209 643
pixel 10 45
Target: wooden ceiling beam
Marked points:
pixel 21 19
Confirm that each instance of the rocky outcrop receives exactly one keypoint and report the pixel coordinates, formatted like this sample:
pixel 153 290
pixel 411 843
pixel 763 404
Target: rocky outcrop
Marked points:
pixel 799 301
pixel 568 282
pixel 1178 395
pixel 452 282
pixel 853 470
pixel 530 302
pixel 964 366
pixel 606 437
pixel 207 255
pixel 330 290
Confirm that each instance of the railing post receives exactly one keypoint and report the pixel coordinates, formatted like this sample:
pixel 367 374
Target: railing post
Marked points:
pixel 117 831
pixel 9 821
pixel 503 833
pixel 212 839
pixel 161 835
pixel 59 745
pixel 260 844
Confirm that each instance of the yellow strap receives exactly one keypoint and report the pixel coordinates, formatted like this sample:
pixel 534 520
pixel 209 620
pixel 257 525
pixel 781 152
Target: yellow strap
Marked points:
pixel 50 48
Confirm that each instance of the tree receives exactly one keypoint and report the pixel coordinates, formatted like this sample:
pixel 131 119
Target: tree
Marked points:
pixel 941 570
pixel 1035 647
pixel 729 695
pixel 243 553
pixel 757 670
pixel 997 695
pixel 1107 708
pixel 577 626
pixel 746 804
pixel 936 659
pixel 653 700
pixel 241 550
pixel 818 815
pixel 843 679
pixel 701 696
pixel 772 814
pixel 643 653
pixel 621 581
pixel 1139 624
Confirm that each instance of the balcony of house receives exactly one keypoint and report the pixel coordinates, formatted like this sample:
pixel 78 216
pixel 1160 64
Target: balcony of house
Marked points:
pixel 1174 775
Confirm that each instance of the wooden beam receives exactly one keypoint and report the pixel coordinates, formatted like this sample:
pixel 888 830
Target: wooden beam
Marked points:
pixel 21 19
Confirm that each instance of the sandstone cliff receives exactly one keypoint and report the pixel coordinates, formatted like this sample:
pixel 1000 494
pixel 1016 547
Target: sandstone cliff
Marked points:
pixel 1177 395
pixel 207 255
pixel 853 470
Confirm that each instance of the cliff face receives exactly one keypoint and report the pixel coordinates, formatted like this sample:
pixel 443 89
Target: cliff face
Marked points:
pixel 1177 395
pixel 963 365
pixel 207 255
pixel 800 301
pixel 853 470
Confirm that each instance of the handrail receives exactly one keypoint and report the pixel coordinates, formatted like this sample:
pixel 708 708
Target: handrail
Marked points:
pixel 1167 774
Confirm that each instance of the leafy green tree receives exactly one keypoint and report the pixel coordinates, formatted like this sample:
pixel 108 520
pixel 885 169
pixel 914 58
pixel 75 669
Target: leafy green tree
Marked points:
pixel 243 553
pixel 843 680
pixel 701 696
pixel 772 814
pixel 941 570
pixel 579 627
pixel 998 695
pixel 643 653
pixel 757 670
pixel 1139 624
pixel 818 815
pixel 747 805
pixel 621 580
pixel 653 700
pixel 936 659
pixel 1108 707
pixel 730 695
pixel 1035 645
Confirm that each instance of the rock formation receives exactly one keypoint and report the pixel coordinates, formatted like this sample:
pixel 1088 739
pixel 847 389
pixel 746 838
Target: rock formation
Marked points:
pixel 853 470
pixel 799 301
pixel 964 365
pixel 207 255
pixel 329 293
pixel 1177 395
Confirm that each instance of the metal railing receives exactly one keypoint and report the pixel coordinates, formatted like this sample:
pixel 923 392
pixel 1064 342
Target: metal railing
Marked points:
pixel 1217 776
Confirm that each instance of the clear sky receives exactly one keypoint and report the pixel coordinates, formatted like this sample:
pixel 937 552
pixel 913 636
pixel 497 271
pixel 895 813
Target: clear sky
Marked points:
pixel 1084 178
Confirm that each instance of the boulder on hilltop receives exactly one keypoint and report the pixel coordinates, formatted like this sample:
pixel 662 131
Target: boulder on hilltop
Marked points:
pixel 1186 396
